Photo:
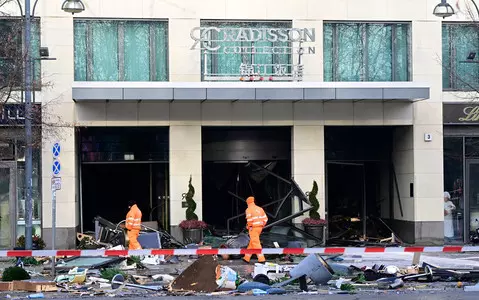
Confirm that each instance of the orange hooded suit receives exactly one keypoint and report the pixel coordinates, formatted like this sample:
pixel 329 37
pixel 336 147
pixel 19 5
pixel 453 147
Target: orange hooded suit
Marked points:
pixel 256 219
pixel 133 224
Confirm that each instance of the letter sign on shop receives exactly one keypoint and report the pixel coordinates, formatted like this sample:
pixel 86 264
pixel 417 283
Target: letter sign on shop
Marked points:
pixel 461 113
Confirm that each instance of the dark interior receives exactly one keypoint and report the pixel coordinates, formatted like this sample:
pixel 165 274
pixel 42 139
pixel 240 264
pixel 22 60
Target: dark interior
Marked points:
pixel 119 164
pixel 358 159
pixel 108 187
pixel 234 161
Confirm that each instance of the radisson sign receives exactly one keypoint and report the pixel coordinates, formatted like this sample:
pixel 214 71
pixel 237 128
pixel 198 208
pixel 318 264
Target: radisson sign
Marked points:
pixel 207 36
pixel 253 43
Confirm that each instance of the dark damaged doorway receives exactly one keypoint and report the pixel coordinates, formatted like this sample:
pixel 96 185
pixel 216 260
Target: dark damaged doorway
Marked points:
pixel 123 163
pixel 358 186
pixel 233 158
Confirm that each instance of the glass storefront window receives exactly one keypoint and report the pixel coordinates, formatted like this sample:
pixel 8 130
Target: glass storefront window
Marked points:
pixel 453 185
pixel 458 40
pixel 36 193
pixel 366 51
pixel 12 189
pixel 121 50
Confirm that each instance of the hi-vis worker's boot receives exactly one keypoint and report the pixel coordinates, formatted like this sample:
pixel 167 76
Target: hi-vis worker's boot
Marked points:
pixel 261 258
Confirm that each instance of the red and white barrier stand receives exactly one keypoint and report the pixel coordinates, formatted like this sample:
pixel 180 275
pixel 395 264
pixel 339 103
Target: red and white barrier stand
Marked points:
pixel 188 252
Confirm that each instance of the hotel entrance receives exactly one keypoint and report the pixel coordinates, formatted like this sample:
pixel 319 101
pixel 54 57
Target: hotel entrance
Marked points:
pixel 122 164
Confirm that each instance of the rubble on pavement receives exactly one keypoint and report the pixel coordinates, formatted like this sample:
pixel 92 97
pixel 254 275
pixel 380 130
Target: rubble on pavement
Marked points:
pixel 224 275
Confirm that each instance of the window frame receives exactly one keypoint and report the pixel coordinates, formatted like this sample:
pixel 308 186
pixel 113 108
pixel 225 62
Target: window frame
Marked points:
pixel 365 40
pixel 214 58
pixel 121 46
pixel 452 66
pixel 36 69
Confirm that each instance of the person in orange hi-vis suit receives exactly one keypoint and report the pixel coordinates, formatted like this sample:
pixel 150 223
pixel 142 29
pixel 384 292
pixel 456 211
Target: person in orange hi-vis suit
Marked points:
pixel 256 219
pixel 133 225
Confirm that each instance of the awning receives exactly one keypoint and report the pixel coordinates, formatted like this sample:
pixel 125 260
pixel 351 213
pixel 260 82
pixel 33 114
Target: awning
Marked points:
pixel 249 91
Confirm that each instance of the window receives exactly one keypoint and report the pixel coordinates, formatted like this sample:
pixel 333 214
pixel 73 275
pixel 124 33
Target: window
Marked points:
pixel 118 50
pixel 366 52
pixel 224 63
pixel 458 41
pixel 11 53
pixel 453 184
pixel 125 144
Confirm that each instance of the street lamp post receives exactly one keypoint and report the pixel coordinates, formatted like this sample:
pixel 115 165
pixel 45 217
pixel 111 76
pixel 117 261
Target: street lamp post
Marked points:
pixel 445 10
pixel 70 6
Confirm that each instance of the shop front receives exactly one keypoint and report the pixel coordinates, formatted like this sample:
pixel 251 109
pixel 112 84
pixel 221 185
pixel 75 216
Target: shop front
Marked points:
pixel 12 177
pixel 461 169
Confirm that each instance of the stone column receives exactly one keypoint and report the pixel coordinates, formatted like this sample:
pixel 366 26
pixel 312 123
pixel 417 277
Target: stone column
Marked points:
pixel 428 155
pixel 58 108
pixel 185 161
pixel 308 162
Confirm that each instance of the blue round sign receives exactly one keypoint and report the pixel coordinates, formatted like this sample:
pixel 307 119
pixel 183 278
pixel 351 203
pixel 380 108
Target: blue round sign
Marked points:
pixel 56 167
pixel 56 150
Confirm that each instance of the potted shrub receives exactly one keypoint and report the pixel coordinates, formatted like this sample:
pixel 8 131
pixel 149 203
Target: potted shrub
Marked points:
pixel 314 225
pixel 37 243
pixel 192 227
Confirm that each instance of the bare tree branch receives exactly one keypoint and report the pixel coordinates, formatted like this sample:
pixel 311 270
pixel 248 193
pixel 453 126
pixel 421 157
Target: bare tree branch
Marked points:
pixel 47 125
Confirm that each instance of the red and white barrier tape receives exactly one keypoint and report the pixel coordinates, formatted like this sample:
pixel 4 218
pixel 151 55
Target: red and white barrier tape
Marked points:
pixel 187 252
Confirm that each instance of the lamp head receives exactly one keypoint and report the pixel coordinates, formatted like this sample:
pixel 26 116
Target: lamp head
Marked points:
pixel 73 6
pixel 443 10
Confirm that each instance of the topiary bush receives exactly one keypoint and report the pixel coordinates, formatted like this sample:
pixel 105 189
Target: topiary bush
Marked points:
pixel 190 211
pixel 313 214
pixel 15 273
pixel 314 217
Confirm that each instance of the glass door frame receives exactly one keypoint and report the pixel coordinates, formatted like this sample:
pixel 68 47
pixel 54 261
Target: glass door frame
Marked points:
pixel 467 204
pixel 361 165
pixel 12 166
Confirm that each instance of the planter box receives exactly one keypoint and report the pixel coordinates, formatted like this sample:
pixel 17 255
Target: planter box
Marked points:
pixel 29 286
pixel 35 286
pixel 192 236
pixel 6 286
pixel 316 231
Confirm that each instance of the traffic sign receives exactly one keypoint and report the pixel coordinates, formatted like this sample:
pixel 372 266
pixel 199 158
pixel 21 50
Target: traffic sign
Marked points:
pixel 56 167
pixel 56 184
pixel 56 149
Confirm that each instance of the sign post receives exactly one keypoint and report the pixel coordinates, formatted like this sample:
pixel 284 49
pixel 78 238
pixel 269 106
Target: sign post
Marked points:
pixel 56 185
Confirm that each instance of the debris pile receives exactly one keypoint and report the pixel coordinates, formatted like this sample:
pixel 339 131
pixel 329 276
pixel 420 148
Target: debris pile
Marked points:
pixel 208 275
pixel 157 275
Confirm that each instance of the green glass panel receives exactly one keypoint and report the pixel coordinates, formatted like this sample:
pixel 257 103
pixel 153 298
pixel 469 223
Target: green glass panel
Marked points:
pixel 366 52
pixel 11 72
pixel 350 52
pixel 35 53
pixel 264 58
pixel 401 55
pixel 80 50
pixel 328 51
pixel 379 52
pixel 446 57
pixel 161 51
pixel 105 50
pixel 464 41
pixel 137 51
pixel 228 64
pixel 97 48
pixel 284 58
